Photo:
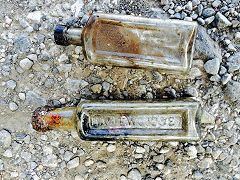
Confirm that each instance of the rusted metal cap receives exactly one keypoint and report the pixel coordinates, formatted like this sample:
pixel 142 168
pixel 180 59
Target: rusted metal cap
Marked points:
pixel 39 122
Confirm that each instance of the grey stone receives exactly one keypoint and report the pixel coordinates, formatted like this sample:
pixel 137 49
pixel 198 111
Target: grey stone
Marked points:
pixel 232 66
pixel 226 78
pixel 208 12
pixel 8 153
pixel 192 91
pixel 237 120
pixel 74 85
pixel 232 91
pixel 223 70
pixel 207 118
pixel 73 163
pixel 212 66
pixel 197 175
pixel 49 82
pixel 34 100
pixel 134 174
pixel 22 44
pixel 205 47
pixel 11 84
pixel 106 86
pixel 33 165
pixel 68 155
pixel 50 161
pixel 222 21
pixel 205 163
pixel 5 138
pixel 26 64
pixel 215 78
pixel 158 158
pixel 216 3
pixel 195 2
pixel 209 20
pixel 201 21
pixel 13 106
pixel 45 55
pixel 26 156
pixel 32 57
pixel 234 58
pixel 84 19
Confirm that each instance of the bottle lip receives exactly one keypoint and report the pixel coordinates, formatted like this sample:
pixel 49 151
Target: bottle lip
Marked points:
pixel 59 35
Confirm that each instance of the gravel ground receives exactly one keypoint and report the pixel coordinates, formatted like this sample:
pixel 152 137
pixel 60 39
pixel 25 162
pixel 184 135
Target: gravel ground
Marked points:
pixel 35 72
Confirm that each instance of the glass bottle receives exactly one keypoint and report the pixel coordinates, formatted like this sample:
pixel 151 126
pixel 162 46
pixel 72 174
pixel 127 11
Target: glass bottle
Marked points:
pixel 171 120
pixel 136 42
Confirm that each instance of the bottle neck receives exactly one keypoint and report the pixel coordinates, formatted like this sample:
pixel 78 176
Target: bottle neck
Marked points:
pixel 47 118
pixel 66 36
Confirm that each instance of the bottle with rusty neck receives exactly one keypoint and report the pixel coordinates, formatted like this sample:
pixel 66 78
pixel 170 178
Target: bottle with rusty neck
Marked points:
pixel 172 120
pixel 136 42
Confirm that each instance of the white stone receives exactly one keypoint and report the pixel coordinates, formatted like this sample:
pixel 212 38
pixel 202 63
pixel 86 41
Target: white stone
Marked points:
pixel 11 84
pixel 22 96
pixel 134 174
pixel 50 161
pixel 78 177
pixel 73 163
pixel 5 138
pixel 76 7
pixel 164 150
pixel 88 162
pixel 32 57
pixel 7 153
pixel 35 16
pixel 192 152
pixel 206 163
pixel 8 20
pixel 68 155
pixel 140 150
pixel 111 148
pixel 47 150
pixel 26 64
pixel 207 118
pixel 212 66
pixel 13 106
pixel 237 36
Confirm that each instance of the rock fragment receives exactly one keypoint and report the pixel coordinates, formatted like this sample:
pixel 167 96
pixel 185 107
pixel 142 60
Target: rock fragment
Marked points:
pixel 134 174
pixel 73 163
pixel 13 106
pixel 232 91
pixel 212 66
pixel 222 21
pixel 5 138
pixel 26 64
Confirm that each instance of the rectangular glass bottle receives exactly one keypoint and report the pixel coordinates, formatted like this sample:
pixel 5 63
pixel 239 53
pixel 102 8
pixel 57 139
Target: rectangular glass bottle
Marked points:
pixel 136 42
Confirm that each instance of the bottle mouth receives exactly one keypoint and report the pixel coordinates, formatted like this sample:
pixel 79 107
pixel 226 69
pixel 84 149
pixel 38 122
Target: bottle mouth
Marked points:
pixel 39 122
pixel 59 35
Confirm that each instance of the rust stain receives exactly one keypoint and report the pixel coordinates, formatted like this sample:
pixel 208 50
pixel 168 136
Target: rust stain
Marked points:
pixel 45 119
pixel 113 37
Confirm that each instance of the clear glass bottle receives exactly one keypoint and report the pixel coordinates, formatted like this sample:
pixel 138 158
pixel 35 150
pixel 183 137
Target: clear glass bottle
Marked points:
pixel 171 120
pixel 136 42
